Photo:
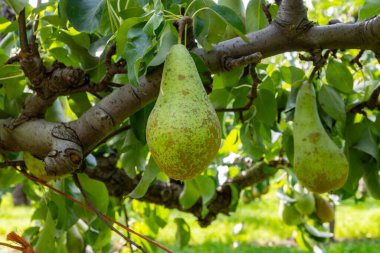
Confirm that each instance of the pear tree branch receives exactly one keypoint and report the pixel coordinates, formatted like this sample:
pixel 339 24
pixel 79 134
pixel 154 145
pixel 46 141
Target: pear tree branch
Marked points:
pixel 291 31
pixel 168 194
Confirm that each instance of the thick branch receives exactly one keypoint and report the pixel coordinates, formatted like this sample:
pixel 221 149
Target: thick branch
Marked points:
pixel 277 38
pixel 97 122
pixel 168 194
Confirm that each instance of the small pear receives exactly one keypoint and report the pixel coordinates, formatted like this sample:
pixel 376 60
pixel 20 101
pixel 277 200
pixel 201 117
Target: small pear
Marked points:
pixel 305 203
pixel 323 209
pixel 289 214
pixel 183 131
pixel 319 164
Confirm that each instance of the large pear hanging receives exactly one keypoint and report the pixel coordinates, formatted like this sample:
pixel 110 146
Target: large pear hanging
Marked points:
pixel 183 130
pixel 319 164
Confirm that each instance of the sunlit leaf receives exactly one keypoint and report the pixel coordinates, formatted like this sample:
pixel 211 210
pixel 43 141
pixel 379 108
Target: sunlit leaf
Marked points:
pixel 150 173
pixel 369 9
pixel 189 195
pixel 17 5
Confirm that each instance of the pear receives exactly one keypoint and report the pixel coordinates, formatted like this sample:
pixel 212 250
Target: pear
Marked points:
pixel 289 214
pixel 323 209
pixel 319 164
pixel 183 131
pixel 305 203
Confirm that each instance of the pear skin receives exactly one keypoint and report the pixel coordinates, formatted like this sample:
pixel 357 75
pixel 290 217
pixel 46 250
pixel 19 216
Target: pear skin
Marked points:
pixel 319 164
pixel 323 209
pixel 289 214
pixel 183 130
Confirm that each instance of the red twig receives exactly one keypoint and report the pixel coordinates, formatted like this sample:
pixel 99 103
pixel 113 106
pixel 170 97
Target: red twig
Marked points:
pixel 41 182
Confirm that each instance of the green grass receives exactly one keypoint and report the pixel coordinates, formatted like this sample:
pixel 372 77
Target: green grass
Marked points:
pixel 357 228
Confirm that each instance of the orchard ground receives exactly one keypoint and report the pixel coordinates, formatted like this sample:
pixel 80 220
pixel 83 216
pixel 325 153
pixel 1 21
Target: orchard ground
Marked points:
pixel 254 227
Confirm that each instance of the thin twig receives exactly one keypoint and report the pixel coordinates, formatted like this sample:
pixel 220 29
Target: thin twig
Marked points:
pixel 252 94
pixel 127 224
pixel 266 11
pixel 34 29
pixel 99 214
pixel 12 164
pixel 87 207
pixel 22 30
pixel 12 59
pixel 356 59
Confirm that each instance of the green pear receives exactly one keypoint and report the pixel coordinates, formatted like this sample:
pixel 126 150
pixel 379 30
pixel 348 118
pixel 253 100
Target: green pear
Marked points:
pixel 319 164
pixel 323 209
pixel 305 203
pixel 289 214
pixel 183 131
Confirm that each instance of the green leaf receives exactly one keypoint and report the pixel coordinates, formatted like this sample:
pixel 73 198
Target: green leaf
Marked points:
pixel 255 16
pixel 189 195
pixel 96 191
pixel 230 18
pixel 368 144
pixel 372 180
pixel 5 24
pixel 124 28
pixel 356 160
pixel 150 173
pixel 84 15
pixel 266 107
pixel 252 141
pixel 61 210
pixel 35 165
pixel 154 23
pixel 167 40
pixel 9 178
pixel 332 103
pixel 209 29
pixel 79 103
pixel 134 154
pixel 13 79
pixel 46 238
pixel 138 44
pixel 98 47
pixel 182 233
pixel 55 113
pixel 339 77
pixel 369 9
pixel 235 197
pixel 62 55
pixel 206 186
pixel 17 5
pixel 138 122
pixel 292 74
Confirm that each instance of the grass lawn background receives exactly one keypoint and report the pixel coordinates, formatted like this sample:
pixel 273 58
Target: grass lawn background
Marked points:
pixel 357 228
